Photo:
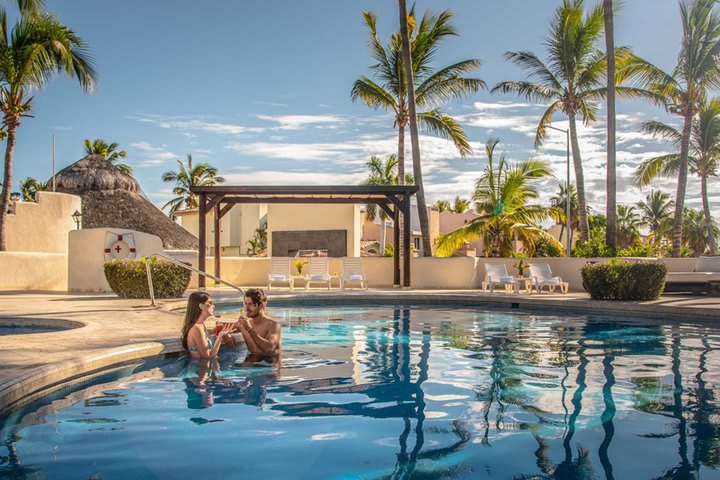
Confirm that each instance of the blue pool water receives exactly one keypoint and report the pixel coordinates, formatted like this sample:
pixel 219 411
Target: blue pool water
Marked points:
pixel 397 393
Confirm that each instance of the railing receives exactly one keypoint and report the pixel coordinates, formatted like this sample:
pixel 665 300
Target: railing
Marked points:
pixel 187 267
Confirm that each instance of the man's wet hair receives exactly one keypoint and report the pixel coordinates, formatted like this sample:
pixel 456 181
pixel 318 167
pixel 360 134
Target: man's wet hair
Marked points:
pixel 256 295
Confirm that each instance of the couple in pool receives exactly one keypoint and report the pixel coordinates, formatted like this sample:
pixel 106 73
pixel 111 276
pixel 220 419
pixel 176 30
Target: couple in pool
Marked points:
pixel 261 333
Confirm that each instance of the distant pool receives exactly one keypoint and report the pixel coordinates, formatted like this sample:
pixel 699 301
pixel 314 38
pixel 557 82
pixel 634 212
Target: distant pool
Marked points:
pixel 401 393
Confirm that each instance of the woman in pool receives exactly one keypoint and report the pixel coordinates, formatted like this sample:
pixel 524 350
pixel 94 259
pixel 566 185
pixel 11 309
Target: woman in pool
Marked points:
pixel 194 335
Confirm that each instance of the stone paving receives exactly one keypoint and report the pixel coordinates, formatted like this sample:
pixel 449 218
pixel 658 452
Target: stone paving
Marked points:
pixel 117 330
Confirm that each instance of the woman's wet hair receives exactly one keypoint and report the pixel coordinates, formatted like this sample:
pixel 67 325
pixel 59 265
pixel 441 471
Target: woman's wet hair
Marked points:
pixel 192 312
pixel 256 295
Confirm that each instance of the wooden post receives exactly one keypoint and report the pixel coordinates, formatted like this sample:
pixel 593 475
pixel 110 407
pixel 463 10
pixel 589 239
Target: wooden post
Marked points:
pixel 396 254
pixel 408 241
pixel 203 244
pixel 216 219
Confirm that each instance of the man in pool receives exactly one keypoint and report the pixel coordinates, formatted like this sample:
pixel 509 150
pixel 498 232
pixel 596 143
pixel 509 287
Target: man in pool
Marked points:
pixel 261 333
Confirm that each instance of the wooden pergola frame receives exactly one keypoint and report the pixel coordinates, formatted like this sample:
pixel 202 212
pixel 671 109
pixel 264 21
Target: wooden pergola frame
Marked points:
pixel 393 200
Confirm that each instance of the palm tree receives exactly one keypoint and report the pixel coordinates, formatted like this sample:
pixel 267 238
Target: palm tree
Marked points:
pixel 656 214
pixel 382 173
pixel 611 184
pixel 460 205
pixel 628 222
pixel 703 153
pixel 30 7
pixel 109 151
pixel 188 176
pixel 696 230
pixel 502 195
pixel 559 202
pixel 685 88
pixel 31 54
pixel 434 87
pixel 572 79
pixel 29 187
pixel 443 206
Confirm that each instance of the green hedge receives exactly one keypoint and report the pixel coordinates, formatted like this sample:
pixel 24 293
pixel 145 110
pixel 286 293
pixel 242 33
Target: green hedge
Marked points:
pixel 624 281
pixel 127 278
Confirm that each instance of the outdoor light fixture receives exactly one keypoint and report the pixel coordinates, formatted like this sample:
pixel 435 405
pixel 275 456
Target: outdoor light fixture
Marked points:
pixel 567 190
pixel 77 216
pixel 15 197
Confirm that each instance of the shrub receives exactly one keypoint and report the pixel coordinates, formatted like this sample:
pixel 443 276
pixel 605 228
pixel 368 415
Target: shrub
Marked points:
pixel 128 279
pixel 639 250
pixel 624 281
pixel 594 247
pixel 545 248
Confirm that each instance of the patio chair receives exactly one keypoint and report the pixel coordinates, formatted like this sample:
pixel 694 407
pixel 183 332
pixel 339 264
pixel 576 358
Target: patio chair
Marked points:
pixel 317 272
pixel 542 276
pixel 496 274
pixel 280 272
pixel 352 272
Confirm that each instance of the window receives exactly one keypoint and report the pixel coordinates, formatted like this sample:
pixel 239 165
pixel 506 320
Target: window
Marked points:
pixel 416 242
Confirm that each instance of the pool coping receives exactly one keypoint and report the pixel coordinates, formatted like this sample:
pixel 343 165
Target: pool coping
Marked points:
pixel 38 380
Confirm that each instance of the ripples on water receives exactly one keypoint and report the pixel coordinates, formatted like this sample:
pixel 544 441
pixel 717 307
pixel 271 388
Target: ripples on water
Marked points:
pixel 397 393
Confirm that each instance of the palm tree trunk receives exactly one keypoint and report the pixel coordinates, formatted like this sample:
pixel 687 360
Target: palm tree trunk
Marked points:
pixel 611 184
pixel 708 217
pixel 401 180
pixel 681 186
pixel 7 184
pixel 414 139
pixel 579 181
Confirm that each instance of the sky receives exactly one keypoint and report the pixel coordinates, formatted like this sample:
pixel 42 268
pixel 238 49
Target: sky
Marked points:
pixel 261 90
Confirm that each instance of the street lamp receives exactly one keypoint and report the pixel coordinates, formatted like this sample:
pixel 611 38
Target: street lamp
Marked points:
pixel 77 216
pixel 15 197
pixel 567 189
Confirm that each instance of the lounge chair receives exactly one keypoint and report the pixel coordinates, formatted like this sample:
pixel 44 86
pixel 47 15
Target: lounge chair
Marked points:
pixel 705 278
pixel 317 272
pixel 280 272
pixel 352 272
pixel 542 276
pixel 496 274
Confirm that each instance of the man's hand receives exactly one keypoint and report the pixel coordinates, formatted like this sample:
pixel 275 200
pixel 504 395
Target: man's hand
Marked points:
pixel 244 324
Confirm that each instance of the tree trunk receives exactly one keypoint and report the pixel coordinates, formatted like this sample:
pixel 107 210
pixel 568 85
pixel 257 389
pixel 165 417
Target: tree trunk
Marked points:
pixel 401 179
pixel 708 217
pixel 414 139
pixel 7 184
pixel 611 184
pixel 681 186
pixel 579 181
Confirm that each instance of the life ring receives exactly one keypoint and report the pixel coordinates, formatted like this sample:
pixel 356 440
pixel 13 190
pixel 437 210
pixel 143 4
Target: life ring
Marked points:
pixel 119 246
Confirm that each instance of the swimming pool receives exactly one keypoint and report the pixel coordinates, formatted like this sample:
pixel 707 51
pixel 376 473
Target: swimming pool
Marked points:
pixel 396 392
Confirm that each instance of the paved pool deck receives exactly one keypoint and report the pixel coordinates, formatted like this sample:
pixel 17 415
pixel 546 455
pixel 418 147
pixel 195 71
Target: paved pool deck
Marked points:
pixel 115 330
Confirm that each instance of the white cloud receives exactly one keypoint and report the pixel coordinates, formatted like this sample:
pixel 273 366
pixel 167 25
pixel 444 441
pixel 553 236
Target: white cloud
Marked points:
pixel 278 177
pixel 181 124
pixel 150 155
pixel 298 122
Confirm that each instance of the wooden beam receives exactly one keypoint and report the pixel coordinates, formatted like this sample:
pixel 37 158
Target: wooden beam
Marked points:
pixel 229 199
pixel 386 209
pixel 225 209
pixel 396 255
pixel 408 240
pixel 215 200
pixel 398 202
pixel 202 211
pixel 218 253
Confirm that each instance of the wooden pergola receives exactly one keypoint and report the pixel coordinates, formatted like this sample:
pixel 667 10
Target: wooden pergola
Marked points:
pixel 394 200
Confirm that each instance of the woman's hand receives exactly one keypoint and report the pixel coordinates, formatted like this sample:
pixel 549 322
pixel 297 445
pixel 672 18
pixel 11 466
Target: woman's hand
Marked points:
pixel 226 328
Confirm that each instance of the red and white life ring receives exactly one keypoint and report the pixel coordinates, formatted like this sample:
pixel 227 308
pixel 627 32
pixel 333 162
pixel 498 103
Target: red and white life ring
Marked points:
pixel 119 246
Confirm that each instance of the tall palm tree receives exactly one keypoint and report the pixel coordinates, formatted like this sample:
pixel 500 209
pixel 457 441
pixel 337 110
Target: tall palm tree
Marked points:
pixel 656 214
pixel 502 195
pixel 684 89
pixel 572 79
pixel 29 187
pixel 109 151
pixel 696 230
pixel 628 223
pixel 432 87
pixel 610 182
pixel 559 202
pixel 382 173
pixel 703 153
pixel 30 7
pixel 31 54
pixel 188 176
pixel 460 205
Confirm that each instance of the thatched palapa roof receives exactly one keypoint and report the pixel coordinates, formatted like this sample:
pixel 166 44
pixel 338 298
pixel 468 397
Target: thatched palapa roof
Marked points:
pixel 111 199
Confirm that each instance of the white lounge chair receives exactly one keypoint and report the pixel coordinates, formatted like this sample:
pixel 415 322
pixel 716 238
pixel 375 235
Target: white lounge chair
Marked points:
pixel 542 276
pixel 496 274
pixel 352 272
pixel 317 272
pixel 280 272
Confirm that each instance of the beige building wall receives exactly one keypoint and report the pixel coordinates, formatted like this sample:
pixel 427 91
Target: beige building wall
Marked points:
pixel 313 217
pixel 450 222
pixel 43 225
pixel 237 227
pixel 34 271
pixel 86 256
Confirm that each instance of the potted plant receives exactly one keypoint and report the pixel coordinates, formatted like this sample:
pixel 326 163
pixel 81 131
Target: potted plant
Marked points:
pixel 299 264
pixel 521 265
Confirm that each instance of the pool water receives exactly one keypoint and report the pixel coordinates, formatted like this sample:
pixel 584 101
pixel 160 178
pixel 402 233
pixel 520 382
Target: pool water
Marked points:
pixel 24 329
pixel 401 393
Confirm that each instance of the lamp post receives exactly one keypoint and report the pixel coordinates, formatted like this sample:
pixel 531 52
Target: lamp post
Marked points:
pixel 15 197
pixel 568 246
pixel 77 216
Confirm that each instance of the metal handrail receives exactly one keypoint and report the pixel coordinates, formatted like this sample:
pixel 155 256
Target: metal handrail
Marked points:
pixel 187 267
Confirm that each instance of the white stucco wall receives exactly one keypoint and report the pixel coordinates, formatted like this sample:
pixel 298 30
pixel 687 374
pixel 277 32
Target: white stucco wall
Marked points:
pixel 43 225
pixel 86 256
pixel 33 271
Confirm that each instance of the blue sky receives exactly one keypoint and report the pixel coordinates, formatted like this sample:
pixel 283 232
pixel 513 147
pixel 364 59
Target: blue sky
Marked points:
pixel 261 91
